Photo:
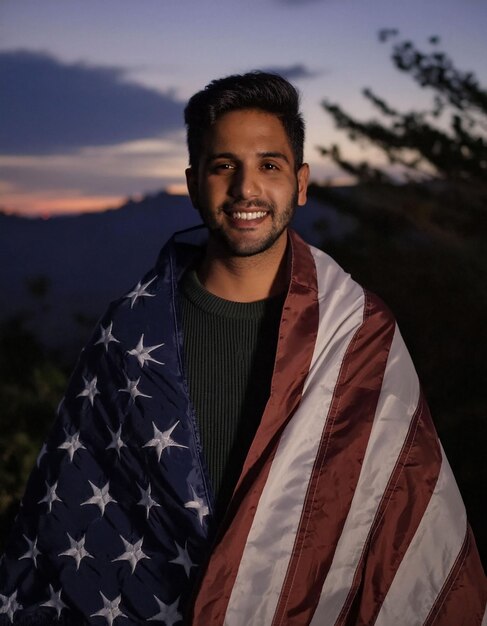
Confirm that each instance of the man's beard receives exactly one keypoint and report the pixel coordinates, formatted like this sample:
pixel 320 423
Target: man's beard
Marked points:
pixel 223 238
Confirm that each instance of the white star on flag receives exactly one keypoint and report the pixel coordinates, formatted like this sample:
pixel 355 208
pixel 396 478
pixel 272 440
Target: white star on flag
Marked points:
pixel 140 292
pixel 146 499
pixel 51 495
pixel 10 605
pixel 168 613
pixel 116 442
pixel 110 610
pixel 55 601
pixel 183 558
pixel 71 444
pixel 90 390
pixel 162 440
pixel 132 388
pixel 106 336
pixel 32 552
pixel 100 497
pixel 198 505
pixel 41 454
pixel 77 550
pixel 142 353
pixel 133 553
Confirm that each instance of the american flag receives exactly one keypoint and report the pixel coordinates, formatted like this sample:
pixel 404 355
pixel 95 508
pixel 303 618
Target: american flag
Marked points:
pixel 346 511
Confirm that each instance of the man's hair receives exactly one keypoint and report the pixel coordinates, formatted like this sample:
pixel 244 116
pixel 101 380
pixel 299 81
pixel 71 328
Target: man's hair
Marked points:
pixel 256 90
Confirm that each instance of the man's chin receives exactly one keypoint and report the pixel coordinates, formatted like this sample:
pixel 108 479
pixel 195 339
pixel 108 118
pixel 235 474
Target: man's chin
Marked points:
pixel 232 248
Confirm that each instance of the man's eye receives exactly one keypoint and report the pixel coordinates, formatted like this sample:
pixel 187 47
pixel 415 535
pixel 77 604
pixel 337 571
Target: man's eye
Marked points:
pixel 270 166
pixel 219 167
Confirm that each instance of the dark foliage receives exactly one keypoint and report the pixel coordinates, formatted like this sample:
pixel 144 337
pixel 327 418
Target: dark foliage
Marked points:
pixel 31 386
pixel 436 286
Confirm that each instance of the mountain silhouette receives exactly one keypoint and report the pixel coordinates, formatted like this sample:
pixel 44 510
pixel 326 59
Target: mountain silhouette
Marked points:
pixel 87 260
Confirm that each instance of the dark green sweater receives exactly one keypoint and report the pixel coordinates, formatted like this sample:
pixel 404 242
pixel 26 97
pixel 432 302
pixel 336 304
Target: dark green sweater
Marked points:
pixel 229 351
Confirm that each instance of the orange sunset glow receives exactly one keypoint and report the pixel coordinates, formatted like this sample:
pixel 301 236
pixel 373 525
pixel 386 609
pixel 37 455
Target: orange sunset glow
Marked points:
pixel 47 206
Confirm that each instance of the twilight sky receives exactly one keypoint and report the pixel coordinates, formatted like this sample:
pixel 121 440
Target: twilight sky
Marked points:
pixel 92 91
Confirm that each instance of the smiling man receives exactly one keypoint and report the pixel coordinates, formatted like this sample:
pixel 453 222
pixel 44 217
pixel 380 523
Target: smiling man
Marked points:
pixel 244 440
pixel 246 183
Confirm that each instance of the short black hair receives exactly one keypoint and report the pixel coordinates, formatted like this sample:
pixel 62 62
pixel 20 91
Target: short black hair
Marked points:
pixel 255 90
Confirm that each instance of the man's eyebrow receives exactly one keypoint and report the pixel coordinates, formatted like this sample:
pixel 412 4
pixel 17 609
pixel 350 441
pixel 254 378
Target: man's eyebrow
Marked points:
pixel 220 155
pixel 273 155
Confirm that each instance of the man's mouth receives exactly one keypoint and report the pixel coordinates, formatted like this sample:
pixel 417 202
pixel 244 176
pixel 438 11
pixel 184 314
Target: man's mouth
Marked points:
pixel 248 215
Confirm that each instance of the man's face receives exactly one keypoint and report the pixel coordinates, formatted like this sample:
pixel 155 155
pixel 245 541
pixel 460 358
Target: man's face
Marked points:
pixel 246 187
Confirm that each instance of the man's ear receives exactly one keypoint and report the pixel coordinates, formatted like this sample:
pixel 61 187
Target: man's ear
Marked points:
pixel 303 178
pixel 192 184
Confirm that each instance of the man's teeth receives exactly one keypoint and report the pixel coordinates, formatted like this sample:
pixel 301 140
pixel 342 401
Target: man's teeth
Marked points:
pixel 248 215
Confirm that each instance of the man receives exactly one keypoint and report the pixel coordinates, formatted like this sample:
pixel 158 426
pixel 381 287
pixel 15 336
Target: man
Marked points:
pixel 244 440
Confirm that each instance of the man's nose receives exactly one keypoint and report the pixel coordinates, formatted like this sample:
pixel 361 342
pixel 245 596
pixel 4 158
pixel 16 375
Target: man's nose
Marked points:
pixel 245 184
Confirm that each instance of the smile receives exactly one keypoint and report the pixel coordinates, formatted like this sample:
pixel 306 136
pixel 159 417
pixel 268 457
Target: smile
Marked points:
pixel 248 215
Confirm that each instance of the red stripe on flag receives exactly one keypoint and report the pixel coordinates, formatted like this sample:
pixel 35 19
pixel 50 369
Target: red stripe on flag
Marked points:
pixel 398 516
pixel 297 336
pixel 338 464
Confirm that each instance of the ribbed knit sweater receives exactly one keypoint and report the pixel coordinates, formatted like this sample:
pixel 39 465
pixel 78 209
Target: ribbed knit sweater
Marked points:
pixel 229 352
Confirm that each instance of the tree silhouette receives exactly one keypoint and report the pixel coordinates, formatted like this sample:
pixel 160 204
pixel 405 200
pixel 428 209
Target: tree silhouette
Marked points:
pixel 447 141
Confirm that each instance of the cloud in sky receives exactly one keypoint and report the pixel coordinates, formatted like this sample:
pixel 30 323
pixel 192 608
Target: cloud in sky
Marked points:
pixel 43 182
pixel 293 72
pixel 51 107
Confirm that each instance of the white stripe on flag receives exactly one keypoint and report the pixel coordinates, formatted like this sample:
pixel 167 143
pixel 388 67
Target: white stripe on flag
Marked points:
pixel 430 556
pixel 397 404
pixel 271 538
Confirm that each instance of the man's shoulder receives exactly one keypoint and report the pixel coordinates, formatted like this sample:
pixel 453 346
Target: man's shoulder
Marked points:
pixel 177 254
pixel 337 289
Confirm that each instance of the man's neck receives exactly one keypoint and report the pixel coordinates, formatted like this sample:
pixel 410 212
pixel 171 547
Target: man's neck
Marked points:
pixel 245 279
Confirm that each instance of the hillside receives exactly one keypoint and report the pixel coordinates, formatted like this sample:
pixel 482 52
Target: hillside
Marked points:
pixel 65 270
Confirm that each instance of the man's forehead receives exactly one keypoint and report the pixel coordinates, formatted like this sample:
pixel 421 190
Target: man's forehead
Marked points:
pixel 253 115
pixel 249 128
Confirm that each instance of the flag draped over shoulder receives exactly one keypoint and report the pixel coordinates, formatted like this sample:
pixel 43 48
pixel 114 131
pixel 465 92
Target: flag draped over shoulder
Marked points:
pixel 346 511
pixel 114 521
